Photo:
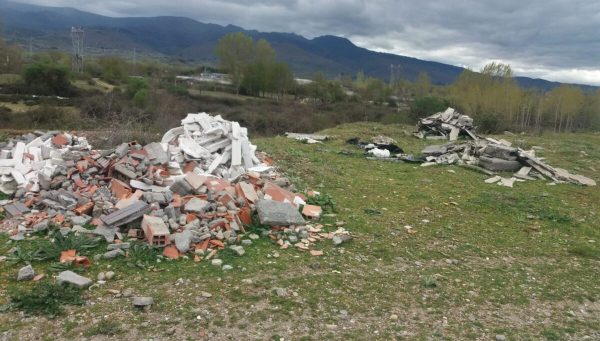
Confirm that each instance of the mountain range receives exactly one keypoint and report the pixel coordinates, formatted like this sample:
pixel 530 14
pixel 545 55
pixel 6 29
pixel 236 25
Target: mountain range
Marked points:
pixel 184 39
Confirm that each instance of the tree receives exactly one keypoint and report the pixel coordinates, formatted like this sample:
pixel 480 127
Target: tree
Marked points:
pixel 422 85
pixel 264 53
pixel 564 103
pixel 281 79
pixel 11 57
pixel 47 79
pixel 235 52
pixel 113 69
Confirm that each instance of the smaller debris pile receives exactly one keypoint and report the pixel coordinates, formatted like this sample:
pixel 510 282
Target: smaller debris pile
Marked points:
pixel 380 146
pixel 447 125
pixel 308 138
pixel 490 155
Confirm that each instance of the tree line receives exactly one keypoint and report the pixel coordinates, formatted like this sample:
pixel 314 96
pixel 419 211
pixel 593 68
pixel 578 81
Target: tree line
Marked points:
pixel 491 96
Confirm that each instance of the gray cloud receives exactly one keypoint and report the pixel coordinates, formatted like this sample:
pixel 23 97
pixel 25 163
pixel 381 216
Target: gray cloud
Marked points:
pixel 553 39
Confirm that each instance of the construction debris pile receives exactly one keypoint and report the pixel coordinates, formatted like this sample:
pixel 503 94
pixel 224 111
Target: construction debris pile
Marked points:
pixel 490 155
pixel 191 193
pixel 447 125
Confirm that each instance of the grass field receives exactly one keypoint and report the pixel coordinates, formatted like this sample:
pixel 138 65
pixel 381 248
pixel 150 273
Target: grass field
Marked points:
pixel 484 260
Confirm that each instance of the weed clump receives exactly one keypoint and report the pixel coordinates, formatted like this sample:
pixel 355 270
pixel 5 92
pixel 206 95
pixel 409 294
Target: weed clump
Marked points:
pixel 45 299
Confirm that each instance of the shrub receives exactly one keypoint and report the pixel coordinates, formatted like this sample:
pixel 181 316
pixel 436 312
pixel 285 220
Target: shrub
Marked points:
pixel 47 79
pixel 426 106
pixel 134 85
pixel 140 98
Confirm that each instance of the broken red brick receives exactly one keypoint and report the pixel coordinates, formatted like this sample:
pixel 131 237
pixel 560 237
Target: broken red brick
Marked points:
pixel 204 245
pixel 82 261
pixel 120 189
pixel 59 219
pixel 171 252
pixel 60 140
pixel 85 208
pixel 190 217
pixel 67 256
pixel 219 244
pixel 82 165
pixel 246 191
pixel 225 199
pixel 245 215
pixel 216 184
pixel 312 211
pixel 276 193
pixel 189 166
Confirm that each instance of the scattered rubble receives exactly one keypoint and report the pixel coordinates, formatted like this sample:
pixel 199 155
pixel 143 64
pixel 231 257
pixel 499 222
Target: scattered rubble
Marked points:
pixel 489 155
pixel 191 193
pixel 482 154
pixel 308 138
pixel 446 125
pixel 380 147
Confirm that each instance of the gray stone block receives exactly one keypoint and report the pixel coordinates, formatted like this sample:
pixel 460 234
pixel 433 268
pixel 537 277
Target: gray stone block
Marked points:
pixel 26 273
pixel 499 165
pixel 72 278
pixel 278 213
pixel 183 240
pixel 501 152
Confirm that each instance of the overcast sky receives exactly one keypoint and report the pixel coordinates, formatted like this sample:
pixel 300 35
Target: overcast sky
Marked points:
pixel 551 39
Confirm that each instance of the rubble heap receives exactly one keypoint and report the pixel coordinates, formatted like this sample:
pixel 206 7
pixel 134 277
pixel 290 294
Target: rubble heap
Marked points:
pixel 193 191
pixel 490 155
pixel 447 125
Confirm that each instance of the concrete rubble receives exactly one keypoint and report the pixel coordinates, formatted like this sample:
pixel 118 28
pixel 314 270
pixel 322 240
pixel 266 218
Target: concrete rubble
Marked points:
pixel 489 156
pixel 192 193
pixel 308 138
pixel 446 125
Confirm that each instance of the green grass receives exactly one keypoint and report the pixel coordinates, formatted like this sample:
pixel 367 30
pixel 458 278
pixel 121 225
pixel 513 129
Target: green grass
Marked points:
pixel 105 327
pixel 483 260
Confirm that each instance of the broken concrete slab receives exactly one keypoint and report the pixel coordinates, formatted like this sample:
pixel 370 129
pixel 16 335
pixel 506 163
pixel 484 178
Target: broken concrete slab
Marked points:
pixel 501 152
pixel 196 205
pixel 69 277
pixel 499 165
pixel 126 215
pixel 183 240
pixel 272 213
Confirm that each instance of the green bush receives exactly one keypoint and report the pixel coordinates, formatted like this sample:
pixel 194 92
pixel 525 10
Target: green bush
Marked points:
pixel 425 106
pixel 140 98
pixel 47 79
pixel 134 85
pixel 178 90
